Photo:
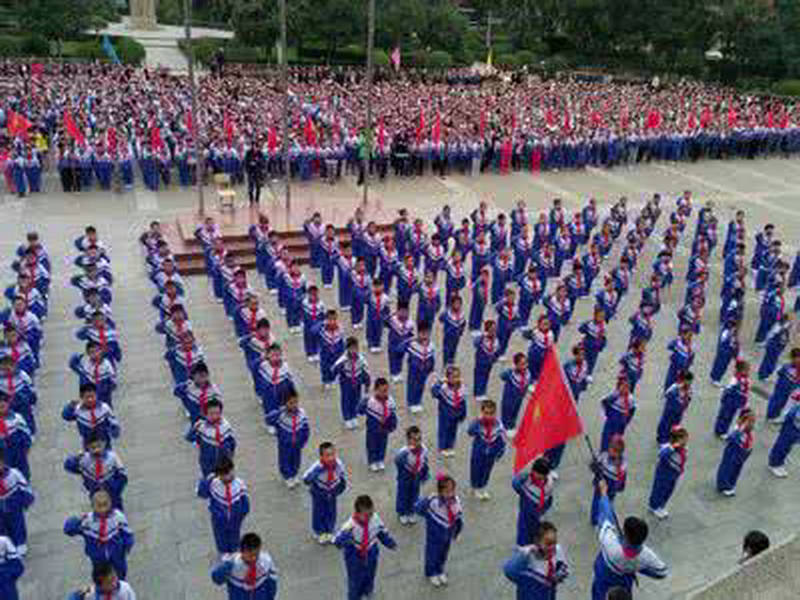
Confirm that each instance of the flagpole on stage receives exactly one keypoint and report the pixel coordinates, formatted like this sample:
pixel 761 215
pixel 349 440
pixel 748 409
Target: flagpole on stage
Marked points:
pixel 285 88
pixel 187 21
pixel 371 133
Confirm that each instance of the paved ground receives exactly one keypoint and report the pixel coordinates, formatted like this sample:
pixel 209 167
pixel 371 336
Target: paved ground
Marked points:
pixel 174 544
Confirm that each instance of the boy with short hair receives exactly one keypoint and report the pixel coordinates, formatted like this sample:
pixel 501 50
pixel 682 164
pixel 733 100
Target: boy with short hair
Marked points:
pixel 100 468
pixel 228 503
pixel 197 392
pixel 412 471
pixel 535 489
pixel 250 574
pixel 488 446
pixel 273 381
pixel 352 371
pixel 92 367
pixel 326 479
pixel 16 497
pixel 15 437
pixel 91 415
pixel 214 437
pixel 291 424
pixel 380 410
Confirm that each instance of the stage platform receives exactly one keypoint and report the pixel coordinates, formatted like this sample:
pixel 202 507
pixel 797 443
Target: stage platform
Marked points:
pixel 235 226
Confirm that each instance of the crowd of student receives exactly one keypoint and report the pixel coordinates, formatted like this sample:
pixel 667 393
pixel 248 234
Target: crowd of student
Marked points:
pixel 516 264
pixel 98 123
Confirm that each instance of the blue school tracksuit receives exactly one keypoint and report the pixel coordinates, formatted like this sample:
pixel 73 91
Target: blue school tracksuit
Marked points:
pixel 325 484
pixel 453 325
pixel 181 361
pixel 608 302
pixel 789 435
pixel 738 448
pixel 106 337
pixel 228 503
pixel 421 362
pixel 258 581
pixel 273 383
pixel 727 351
pixel 361 289
pixel 615 475
pixel 331 348
pixel 16 497
pixel 381 421
pixel 412 472
pixel 594 340
pixel 670 467
pixel 388 266
pixel 481 257
pixel 523 252
pixel 681 359
pixel 502 274
pixel 772 308
pixel 101 374
pixel 558 313
pixel 616 563
pixel 354 379
pixel 444 521
pixel 100 418
pixel 788 381
pixel 106 538
pixel 100 472
pixel 434 259
pixel 530 294
pixel 400 335
pixel 487 352
pixel 429 304
pixel 675 405
pixel 16 440
pixel 313 319
pixel 535 499
pixel 734 399
pixel 328 255
pixel 641 327
pixel 254 346
pixel 18 386
pixel 535 576
pixel 515 386
pixel 632 366
pixel 214 440
pixel 407 284
pixel 539 342
pixel 295 290
pixel 777 340
pixel 292 435
pixel 480 298
pixel 358 541
pixel 195 399
pixel 452 410
pixel 11 569
pixel 378 312
pixel 619 412
pixel 456 279
pixel 488 446
pixel 344 270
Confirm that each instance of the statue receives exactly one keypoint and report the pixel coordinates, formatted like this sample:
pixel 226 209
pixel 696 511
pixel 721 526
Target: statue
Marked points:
pixel 143 14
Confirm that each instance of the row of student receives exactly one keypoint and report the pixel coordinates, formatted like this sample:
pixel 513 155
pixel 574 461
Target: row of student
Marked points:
pixel 19 362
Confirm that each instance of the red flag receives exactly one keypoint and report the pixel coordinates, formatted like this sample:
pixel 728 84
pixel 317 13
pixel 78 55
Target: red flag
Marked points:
pixel 692 121
pixel 189 122
pixel 567 127
pixel 733 117
pixel 17 125
pixel 482 125
pixel 654 119
pixel 272 140
pixel 421 126
pixel 550 118
pixel 112 139
pixel 784 120
pixel 227 125
pixel 770 119
pixel 597 119
pixel 72 129
pixel 37 69
pixel 623 118
pixel 155 137
pixel 706 117
pixel 550 416
pixel 436 132
pixel 310 132
pixel 381 134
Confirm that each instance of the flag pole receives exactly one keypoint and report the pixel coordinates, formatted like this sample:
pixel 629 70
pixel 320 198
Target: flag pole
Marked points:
pixel 285 88
pixel 187 21
pixel 369 140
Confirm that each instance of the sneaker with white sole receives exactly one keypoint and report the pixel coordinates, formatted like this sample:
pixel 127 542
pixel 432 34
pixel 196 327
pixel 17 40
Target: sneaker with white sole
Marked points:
pixel 381 466
pixel 728 493
pixel 435 581
pixel 660 513
pixel 397 378
pixel 443 579
pixel 779 472
pixel 554 474
pixel 412 519
pixel 417 408
pixel 403 520
pixel 270 430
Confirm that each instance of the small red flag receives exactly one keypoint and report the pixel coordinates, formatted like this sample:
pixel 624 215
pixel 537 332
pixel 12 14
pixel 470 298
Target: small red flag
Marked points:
pixel 381 134
pixel 272 140
pixel 227 124
pixel 436 132
pixel 551 417
pixel 784 120
pixel 112 139
pixel 189 123
pixel 37 69
pixel 770 119
pixel 567 127
pixel 72 129
pixel 310 132
pixel 706 117
pixel 733 117
pixel 155 137
pixel 692 121
pixel 421 126
pixel 18 125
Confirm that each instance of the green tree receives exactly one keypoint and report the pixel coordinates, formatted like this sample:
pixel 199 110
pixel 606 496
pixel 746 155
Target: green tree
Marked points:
pixel 63 19
pixel 256 23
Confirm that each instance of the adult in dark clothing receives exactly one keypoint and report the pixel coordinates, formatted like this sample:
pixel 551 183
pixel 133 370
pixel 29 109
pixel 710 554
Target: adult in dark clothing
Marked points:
pixel 254 164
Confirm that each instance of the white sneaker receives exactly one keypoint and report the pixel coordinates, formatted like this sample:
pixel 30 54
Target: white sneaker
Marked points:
pixel 435 581
pixel 776 421
pixel 486 495
pixel 717 384
pixel 589 379
pixel 322 538
pixel 443 579
pixel 503 359
pixel 381 466
pixel 375 349
pixel 397 378
pixel 660 513
pixel 357 326
pixel 403 520
pixel 478 494
pixel 511 433
pixel 373 467
pixel 270 430
pixel 328 286
pixel 779 472
pixel 22 549
pixel 729 493
pixel 310 359
pixel 412 520
pixel 448 453
pixel 417 408
pixel 554 474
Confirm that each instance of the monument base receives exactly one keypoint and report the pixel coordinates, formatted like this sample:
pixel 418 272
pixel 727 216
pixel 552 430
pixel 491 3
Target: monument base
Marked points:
pixel 142 24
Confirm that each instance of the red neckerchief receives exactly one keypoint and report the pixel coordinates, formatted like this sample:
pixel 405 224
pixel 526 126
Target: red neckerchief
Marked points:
pixel 3 427
pixel 744 384
pixel 361 279
pixel 3 483
pixel 510 306
pixel 188 356
pixel 490 349
pixel 217 434
pixel 14 353
pixel 204 399
pixel 451 515
pixel 92 417
pixel 252 575
pixel 626 403
pixel 523 379
pixel 385 405
pixel 98 468
pixel 294 427
pixel 485 292
pixel 10 380
pixel 377 303
pixel 682 454
pixel 353 362
pixel 103 529
pixel 431 293
pixel 748 440
pixel 620 472
pixel 228 497
pixel 97 372
pixel 275 371
pixel 541 484
pixel 363 546
pixel 102 335
pixel 488 424
pixel 331 468
pixel 253 317
pixel 417 452
pixel 601 328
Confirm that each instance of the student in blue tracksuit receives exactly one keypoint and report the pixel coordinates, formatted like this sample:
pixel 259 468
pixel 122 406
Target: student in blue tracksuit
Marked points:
pixel 100 468
pixel 453 324
pixel 352 371
pixel 273 380
pixel 677 399
pixel 411 462
pixel 480 299
pixel 331 346
pixel 541 337
pixel 213 436
pixel 105 531
pixel 734 399
pixel 487 353
pixel 250 574
pixel 619 408
pixel 380 411
pixel 456 274
pixel 90 415
pixel 612 469
pixel 358 539
pixel 502 274
pixel 777 340
pixel 452 402
pixel 632 362
pixel 516 382
pixel 313 316
pixel 530 294
pixel 681 356
pixel 408 280
pixel 429 302
pixel 538 569
pixel 508 319
pixel 326 480
pixel 93 367
pixel 789 435
pixel 256 344
pixel 773 308
pixel 421 362
pixel 16 438
pixel 345 266
pixel 360 285
pixel 669 468
pixel 444 522
pixel 727 350
pixel 622 554
pixel 535 490
pixel 738 447
pixel 488 446
pixel 18 386
pixel 641 323
pixel 291 424
pixel 228 504
pixel 594 337
pixel 16 497
pixel 378 312
pixel 787 382
pixel 389 260
pixel 401 332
